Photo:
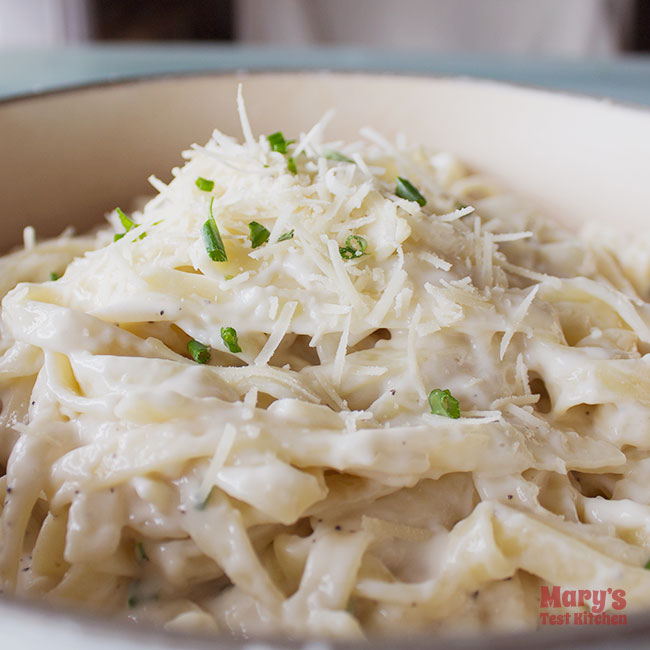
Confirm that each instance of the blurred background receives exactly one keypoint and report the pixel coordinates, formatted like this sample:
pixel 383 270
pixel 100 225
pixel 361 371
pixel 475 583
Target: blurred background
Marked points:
pixel 569 28
pixel 599 47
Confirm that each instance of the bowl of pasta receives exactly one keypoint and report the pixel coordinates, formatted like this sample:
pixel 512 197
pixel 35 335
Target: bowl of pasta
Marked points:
pixel 370 363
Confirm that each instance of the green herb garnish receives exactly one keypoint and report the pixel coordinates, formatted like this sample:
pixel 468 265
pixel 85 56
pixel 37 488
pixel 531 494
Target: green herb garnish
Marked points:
pixel 54 276
pixel 140 554
pixel 259 234
pixel 212 238
pixel 126 222
pixel 336 155
pixel 199 352
pixel 406 190
pixel 355 246
pixel 442 402
pixel 132 599
pixel 291 165
pixel 229 336
pixel 204 184
pixel 278 143
pixel 287 235
pixel 647 565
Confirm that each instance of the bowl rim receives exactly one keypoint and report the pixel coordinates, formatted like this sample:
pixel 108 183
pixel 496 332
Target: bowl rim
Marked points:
pixel 124 79
pixel 151 637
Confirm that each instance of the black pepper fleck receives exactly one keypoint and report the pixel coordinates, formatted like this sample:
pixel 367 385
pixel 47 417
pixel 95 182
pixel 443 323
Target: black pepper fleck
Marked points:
pixel 475 595
pixel 162 311
pixel 9 490
pixel 337 528
pixel 392 391
pixel 510 496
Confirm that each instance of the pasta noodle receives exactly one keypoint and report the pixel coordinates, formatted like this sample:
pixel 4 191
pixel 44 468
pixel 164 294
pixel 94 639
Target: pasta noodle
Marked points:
pixel 268 443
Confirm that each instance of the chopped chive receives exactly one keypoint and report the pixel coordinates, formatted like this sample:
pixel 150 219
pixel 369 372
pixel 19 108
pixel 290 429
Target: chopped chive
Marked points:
pixel 199 352
pixel 259 234
pixel 287 235
pixel 202 505
pixel 228 277
pixel 406 190
pixel 278 143
pixel 54 276
pixel 119 236
pixel 229 336
pixel 355 246
pixel 291 165
pixel 132 598
pixel 442 402
pixel 360 244
pixel 126 222
pixel 204 184
pixel 336 155
pixel 647 565
pixel 212 238
pixel 140 554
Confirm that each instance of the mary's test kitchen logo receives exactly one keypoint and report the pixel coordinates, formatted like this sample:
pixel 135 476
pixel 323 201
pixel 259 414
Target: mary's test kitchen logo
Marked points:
pixel 592 606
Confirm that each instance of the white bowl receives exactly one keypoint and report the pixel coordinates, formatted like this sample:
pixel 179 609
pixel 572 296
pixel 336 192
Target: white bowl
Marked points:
pixel 68 157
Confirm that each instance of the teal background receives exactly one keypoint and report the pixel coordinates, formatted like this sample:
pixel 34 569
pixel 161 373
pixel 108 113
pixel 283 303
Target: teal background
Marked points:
pixel 625 79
